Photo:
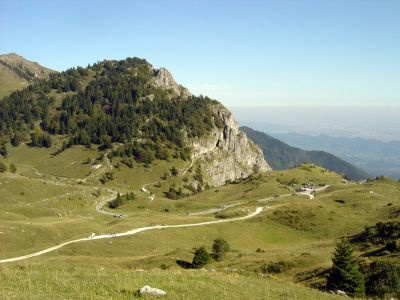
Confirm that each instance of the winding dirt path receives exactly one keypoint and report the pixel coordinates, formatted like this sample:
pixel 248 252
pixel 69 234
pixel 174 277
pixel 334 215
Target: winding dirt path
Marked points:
pixel 128 233
pixel 99 206
pixel 142 229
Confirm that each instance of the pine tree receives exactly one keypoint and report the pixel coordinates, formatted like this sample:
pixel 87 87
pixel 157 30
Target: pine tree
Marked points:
pixel 201 258
pixel 345 274
pixel 16 140
pixel 117 202
pixel 384 279
pixel 46 141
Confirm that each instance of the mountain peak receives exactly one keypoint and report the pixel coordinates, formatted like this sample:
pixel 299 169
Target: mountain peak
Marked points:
pixel 164 79
pixel 17 72
pixel 144 112
pixel 12 54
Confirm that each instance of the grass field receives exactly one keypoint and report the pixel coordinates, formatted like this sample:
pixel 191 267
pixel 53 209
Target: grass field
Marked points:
pixel 70 282
pixel 10 81
pixel 51 199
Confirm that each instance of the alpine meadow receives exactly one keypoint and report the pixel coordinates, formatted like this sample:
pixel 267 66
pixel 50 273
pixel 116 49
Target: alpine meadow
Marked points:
pixel 119 182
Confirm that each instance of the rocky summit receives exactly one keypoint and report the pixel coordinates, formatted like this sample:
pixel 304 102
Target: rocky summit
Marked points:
pixel 225 153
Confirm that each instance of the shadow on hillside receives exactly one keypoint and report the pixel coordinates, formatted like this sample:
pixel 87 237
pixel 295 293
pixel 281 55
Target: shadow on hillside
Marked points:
pixel 184 264
pixel 315 278
pixel 376 252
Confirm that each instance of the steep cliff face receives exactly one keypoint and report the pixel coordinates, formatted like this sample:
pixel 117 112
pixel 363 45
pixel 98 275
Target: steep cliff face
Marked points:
pixel 227 154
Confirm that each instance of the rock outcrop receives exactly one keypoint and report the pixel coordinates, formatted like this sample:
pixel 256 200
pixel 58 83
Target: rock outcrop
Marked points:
pixel 227 154
pixel 148 290
pixel 163 78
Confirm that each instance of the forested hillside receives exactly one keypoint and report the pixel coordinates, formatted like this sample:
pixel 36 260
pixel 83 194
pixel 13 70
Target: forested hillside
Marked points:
pixel 108 102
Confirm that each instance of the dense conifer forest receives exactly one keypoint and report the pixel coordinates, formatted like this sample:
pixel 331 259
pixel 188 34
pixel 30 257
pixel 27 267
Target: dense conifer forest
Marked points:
pixel 108 102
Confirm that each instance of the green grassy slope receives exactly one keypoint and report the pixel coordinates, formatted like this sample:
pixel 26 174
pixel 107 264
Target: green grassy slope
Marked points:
pixel 66 282
pixel 40 208
pixel 17 72
pixel 10 81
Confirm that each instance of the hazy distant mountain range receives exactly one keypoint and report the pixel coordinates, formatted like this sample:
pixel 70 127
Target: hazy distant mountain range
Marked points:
pixel 282 156
pixel 374 156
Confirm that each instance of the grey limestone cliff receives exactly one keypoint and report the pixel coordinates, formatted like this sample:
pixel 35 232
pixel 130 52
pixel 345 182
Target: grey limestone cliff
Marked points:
pixel 163 78
pixel 226 154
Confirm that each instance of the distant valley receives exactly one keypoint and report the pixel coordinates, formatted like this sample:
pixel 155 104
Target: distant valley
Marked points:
pixel 375 157
pixel 281 156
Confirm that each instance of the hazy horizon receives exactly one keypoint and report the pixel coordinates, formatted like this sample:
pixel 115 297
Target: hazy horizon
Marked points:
pixel 377 122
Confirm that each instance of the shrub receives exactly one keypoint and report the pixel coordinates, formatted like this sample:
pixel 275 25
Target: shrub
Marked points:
pixel 41 140
pixel 117 202
pixel 3 167
pixel 128 162
pixel 219 249
pixel 201 258
pixel 174 171
pixel 393 246
pixel 13 168
pixel 164 266
pixel 198 175
pixel 107 177
pixel 380 233
pixel 276 267
pixel 383 279
pixel 16 139
pixel 3 149
pixel 130 196
pixel 174 193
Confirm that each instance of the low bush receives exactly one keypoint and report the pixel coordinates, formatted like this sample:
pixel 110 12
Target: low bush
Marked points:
pixel 276 267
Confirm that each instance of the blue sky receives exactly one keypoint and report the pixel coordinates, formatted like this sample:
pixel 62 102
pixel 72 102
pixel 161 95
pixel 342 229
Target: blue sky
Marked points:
pixel 243 53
